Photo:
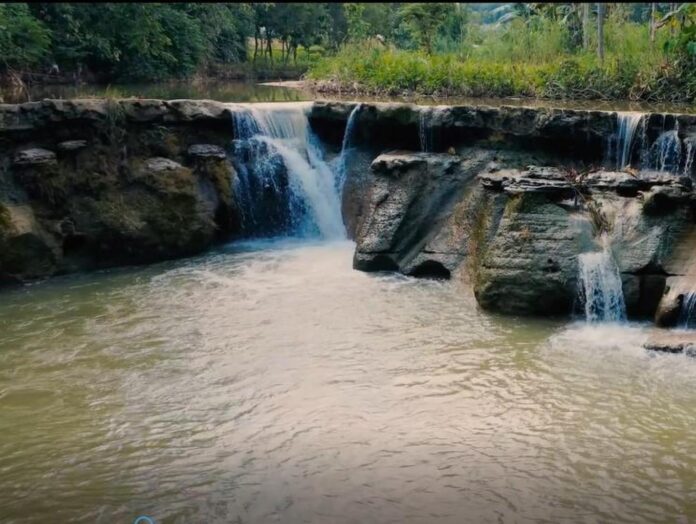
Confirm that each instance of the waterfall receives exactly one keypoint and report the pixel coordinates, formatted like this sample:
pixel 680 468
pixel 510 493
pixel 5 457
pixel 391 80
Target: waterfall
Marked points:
pixel 601 289
pixel 284 184
pixel 689 161
pixel 627 124
pixel 665 153
pixel 424 129
pixel 345 147
pixel 687 314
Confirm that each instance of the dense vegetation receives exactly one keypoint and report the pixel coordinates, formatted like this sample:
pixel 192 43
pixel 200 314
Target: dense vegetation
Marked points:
pixel 154 41
pixel 636 51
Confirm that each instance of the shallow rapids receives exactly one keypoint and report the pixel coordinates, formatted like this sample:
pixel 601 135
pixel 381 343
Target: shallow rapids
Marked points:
pixel 269 382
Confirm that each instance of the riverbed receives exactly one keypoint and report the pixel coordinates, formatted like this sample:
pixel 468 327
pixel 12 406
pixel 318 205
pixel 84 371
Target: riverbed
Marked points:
pixel 268 381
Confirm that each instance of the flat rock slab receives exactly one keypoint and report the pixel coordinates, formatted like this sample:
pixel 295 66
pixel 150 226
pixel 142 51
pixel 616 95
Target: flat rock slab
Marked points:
pixel 160 164
pixel 34 156
pixel 619 180
pixel 534 179
pixel 206 151
pixel 72 145
pixel 677 341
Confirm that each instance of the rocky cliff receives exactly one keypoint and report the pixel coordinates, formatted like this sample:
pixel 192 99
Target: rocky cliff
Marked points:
pixel 95 183
pixel 506 198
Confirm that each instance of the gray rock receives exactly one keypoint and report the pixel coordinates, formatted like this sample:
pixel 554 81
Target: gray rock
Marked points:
pixel 668 310
pixel 34 156
pixel 411 199
pixel 206 151
pixel 160 164
pixel 671 342
pixel 72 145
pixel 663 199
pixel 529 265
pixel 534 179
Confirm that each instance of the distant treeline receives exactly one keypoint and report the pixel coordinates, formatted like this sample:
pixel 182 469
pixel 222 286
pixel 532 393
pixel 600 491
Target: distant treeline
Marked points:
pixel 580 50
pixel 154 41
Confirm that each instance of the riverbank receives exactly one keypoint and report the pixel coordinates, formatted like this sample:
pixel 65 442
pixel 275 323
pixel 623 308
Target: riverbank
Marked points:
pixel 382 72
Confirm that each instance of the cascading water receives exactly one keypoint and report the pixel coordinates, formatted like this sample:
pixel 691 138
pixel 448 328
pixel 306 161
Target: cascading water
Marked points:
pixel 345 148
pixel 601 289
pixel 687 314
pixel 665 153
pixel 689 160
pixel 285 186
pixel 627 124
pixel 424 132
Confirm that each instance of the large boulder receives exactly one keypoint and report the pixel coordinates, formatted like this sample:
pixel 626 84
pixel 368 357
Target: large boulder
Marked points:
pixel 26 251
pixel 530 265
pixel 412 197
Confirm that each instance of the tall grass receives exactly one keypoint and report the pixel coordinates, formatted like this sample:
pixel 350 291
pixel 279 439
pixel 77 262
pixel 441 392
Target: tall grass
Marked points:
pixel 518 60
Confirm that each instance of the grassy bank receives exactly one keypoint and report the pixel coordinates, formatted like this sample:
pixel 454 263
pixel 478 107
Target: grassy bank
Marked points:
pixel 517 62
pixel 393 72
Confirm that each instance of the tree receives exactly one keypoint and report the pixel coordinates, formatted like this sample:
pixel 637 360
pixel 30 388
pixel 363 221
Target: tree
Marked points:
pixel 586 26
pixel 600 32
pixel 24 40
pixel 425 20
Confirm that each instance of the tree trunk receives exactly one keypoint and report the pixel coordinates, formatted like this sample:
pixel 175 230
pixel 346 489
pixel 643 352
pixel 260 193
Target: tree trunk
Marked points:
pixel 653 14
pixel 269 48
pixel 586 26
pixel 256 44
pixel 600 32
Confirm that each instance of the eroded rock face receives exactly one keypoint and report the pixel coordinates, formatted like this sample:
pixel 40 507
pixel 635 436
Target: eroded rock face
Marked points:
pixel 411 198
pixel 530 264
pixel 34 156
pixel 133 182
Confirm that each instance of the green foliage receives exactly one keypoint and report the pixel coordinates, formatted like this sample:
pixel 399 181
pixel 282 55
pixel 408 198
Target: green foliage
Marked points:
pixel 23 39
pixel 425 21
pixel 531 50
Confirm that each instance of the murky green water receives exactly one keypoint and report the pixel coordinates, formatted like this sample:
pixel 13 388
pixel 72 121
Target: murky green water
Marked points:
pixel 272 383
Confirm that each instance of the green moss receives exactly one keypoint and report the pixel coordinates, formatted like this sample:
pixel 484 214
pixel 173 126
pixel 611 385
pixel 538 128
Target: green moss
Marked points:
pixel 219 173
pixel 5 220
pixel 513 206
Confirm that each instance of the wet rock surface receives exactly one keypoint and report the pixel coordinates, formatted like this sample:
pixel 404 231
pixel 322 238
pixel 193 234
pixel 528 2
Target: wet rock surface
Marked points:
pixel 133 181
pixel 34 156
pixel 506 198
pixel 672 342
pixel 410 199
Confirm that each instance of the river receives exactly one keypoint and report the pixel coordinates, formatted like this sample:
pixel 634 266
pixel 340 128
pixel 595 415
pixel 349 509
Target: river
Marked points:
pixel 267 381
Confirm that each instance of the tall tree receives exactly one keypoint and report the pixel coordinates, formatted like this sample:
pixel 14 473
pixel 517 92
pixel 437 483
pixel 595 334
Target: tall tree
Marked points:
pixel 600 32
pixel 425 20
pixel 586 25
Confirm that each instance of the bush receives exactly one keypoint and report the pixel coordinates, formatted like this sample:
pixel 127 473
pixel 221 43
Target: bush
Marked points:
pixel 521 60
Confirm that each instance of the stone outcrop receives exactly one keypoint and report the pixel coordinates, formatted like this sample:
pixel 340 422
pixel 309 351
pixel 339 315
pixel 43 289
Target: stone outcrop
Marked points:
pixel 96 183
pixel 410 200
pixel 667 342
pixel 507 211
pixel 506 197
